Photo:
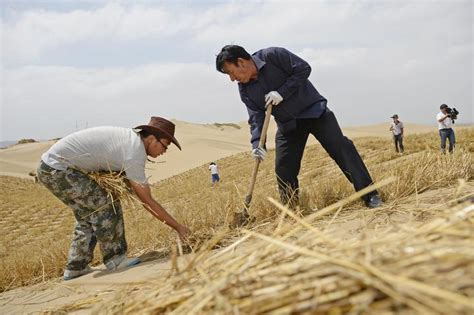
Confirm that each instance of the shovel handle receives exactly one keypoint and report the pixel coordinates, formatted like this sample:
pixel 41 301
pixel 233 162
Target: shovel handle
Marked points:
pixel 261 144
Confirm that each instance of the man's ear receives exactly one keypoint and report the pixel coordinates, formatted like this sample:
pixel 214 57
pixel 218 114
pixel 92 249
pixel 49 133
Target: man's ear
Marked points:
pixel 240 62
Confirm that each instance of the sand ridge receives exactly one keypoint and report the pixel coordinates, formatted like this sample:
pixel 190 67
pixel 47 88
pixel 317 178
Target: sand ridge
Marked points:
pixel 201 143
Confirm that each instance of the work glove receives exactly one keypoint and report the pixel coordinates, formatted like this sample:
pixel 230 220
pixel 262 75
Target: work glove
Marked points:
pixel 259 153
pixel 273 98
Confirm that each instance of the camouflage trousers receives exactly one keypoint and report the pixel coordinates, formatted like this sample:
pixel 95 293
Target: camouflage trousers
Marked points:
pixel 97 219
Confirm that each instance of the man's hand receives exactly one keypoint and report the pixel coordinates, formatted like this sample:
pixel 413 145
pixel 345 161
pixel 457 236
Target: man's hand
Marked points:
pixel 183 232
pixel 144 194
pixel 259 153
pixel 273 98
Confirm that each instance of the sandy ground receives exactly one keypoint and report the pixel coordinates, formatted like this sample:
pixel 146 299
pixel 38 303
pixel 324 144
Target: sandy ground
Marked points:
pixel 97 286
pixel 201 143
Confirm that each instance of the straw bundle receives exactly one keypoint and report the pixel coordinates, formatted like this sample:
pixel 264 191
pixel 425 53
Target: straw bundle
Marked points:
pixel 423 268
pixel 117 187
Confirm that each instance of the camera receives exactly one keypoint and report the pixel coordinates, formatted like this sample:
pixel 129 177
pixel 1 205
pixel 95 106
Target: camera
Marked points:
pixel 452 113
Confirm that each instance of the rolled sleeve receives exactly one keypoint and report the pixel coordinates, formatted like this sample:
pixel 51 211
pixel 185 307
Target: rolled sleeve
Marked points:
pixel 135 171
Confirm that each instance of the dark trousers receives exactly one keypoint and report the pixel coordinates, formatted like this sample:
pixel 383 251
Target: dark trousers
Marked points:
pixel 398 139
pixel 290 147
pixel 444 134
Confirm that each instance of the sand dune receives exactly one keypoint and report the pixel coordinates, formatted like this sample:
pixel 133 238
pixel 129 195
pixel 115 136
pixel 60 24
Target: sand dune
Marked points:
pixel 381 130
pixel 201 143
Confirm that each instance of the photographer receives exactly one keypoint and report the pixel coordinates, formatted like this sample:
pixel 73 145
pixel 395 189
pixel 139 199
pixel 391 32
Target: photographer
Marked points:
pixel 445 125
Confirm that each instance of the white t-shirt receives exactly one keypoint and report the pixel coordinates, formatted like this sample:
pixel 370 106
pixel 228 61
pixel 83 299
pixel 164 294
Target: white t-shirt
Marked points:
pixel 397 128
pixel 100 149
pixel 213 169
pixel 447 123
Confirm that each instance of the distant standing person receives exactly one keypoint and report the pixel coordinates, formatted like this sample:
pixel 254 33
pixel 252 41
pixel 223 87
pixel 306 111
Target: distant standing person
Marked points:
pixel 396 127
pixel 445 126
pixel 278 77
pixel 214 173
pixel 63 171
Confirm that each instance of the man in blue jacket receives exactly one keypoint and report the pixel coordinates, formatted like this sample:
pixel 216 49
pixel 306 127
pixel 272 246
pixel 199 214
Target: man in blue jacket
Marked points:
pixel 278 77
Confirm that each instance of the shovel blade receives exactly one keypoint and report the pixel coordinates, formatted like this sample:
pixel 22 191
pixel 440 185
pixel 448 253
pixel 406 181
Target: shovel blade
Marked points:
pixel 241 219
pixel 247 201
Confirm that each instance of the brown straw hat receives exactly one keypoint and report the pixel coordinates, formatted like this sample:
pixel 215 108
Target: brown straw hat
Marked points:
pixel 162 128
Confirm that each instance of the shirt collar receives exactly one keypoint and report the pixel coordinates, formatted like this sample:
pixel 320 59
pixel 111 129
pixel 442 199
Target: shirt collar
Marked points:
pixel 258 62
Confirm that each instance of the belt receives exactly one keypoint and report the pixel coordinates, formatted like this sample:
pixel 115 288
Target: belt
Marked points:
pixel 46 167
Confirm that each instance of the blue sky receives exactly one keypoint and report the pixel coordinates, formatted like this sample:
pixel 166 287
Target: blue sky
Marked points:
pixel 71 64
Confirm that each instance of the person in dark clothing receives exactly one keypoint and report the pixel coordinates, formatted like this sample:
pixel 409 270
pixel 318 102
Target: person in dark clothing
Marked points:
pixel 278 77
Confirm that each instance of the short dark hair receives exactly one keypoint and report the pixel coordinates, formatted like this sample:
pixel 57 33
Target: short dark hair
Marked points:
pixel 145 133
pixel 230 53
pixel 443 106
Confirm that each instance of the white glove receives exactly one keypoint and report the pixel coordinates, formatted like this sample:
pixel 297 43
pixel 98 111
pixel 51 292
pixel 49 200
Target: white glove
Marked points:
pixel 259 153
pixel 274 98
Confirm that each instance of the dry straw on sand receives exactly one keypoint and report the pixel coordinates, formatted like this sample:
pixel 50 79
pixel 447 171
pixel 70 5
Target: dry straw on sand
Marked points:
pixel 304 266
pixel 424 268
pixel 414 255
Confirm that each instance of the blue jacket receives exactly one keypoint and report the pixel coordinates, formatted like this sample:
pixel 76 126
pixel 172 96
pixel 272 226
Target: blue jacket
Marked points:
pixel 282 71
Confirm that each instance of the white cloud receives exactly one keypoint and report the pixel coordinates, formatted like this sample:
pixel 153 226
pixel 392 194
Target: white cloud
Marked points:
pixel 299 23
pixel 36 32
pixel 335 57
pixel 58 97
pixel 367 57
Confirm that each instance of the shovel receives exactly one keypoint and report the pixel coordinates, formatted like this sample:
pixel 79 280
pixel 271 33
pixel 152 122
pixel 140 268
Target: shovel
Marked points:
pixel 241 218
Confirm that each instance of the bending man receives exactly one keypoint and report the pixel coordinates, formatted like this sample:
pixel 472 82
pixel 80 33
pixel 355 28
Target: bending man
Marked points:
pixel 63 171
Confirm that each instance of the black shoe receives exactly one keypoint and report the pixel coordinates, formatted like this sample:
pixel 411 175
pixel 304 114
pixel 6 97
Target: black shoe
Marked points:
pixel 374 202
